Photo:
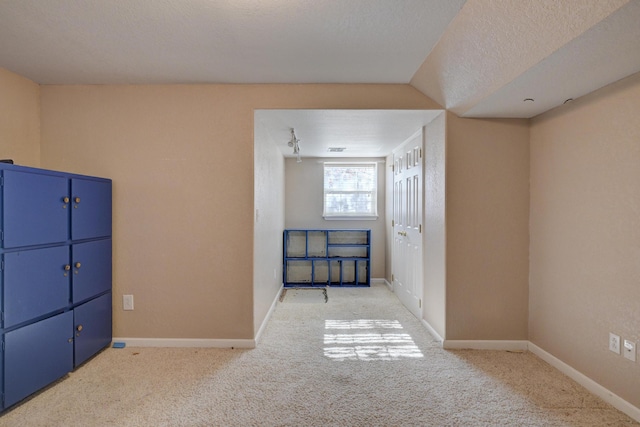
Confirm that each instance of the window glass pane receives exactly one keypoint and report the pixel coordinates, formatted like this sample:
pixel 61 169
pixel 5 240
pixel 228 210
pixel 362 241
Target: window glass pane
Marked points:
pixel 349 178
pixel 350 189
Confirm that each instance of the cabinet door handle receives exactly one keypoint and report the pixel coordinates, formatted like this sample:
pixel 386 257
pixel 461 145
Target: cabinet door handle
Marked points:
pixel 78 265
pixel 67 267
pixel 79 328
pixel 65 200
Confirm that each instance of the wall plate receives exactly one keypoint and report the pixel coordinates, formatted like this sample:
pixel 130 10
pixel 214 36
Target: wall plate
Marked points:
pixel 629 350
pixel 614 343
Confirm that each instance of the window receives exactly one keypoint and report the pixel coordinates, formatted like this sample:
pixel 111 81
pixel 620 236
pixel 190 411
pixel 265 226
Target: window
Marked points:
pixel 350 190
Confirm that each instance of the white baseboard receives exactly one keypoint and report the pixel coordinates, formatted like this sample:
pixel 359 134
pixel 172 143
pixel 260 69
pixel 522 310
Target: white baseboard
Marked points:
pixel 432 331
pixel 586 382
pixel 186 342
pixel 485 345
pixel 268 316
pixel 382 281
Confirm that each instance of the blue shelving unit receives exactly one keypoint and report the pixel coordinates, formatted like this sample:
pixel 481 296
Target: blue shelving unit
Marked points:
pixel 55 276
pixel 318 258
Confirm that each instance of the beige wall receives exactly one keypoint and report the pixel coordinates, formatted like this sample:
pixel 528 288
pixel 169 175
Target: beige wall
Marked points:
pixel 585 233
pixel 268 223
pixel 19 119
pixel 181 159
pixel 487 223
pixel 434 308
pixel 304 197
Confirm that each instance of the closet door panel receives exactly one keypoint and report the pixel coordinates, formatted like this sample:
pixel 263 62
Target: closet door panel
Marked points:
pixel 92 326
pixel 91 265
pixel 91 209
pixel 35 209
pixel 36 355
pixel 35 283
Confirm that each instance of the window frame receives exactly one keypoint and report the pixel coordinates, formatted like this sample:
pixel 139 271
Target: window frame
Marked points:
pixel 371 215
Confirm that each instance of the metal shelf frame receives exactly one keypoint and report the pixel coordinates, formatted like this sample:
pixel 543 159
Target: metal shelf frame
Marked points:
pixel 320 258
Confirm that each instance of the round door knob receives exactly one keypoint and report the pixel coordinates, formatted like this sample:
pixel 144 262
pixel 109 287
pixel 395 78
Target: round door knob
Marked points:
pixel 78 265
pixel 65 199
pixel 77 199
pixel 67 267
pixel 79 328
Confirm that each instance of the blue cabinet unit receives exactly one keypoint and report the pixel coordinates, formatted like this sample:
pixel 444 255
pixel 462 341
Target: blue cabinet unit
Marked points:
pixel 315 258
pixel 55 276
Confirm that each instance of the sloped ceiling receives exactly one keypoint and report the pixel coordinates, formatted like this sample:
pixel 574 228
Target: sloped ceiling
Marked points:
pixel 496 54
pixel 477 58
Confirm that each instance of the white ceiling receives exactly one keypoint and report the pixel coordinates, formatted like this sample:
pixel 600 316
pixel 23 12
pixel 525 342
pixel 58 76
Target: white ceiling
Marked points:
pixel 363 133
pixel 220 41
pixel 477 58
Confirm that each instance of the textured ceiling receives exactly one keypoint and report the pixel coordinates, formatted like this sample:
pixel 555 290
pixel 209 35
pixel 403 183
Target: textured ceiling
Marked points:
pixel 496 53
pixel 477 58
pixel 606 52
pixel 220 41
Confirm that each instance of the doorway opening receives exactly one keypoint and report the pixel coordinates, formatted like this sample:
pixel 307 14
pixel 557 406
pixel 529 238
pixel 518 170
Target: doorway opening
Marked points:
pixel 288 194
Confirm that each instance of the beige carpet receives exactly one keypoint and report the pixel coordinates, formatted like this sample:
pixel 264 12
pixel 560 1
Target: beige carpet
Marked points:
pixel 359 359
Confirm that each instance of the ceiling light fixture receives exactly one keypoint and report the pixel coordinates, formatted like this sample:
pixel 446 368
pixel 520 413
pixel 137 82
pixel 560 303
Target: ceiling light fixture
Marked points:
pixel 294 142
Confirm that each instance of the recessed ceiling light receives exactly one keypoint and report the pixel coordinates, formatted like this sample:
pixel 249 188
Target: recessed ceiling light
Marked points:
pixel 337 149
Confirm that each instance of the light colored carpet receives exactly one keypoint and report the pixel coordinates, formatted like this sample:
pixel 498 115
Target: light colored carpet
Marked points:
pixel 358 360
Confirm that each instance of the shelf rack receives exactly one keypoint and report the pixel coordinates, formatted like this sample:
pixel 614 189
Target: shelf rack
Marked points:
pixel 318 258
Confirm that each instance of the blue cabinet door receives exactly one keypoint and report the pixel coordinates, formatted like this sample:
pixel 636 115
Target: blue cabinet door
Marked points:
pixel 35 211
pixel 36 355
pixel 92 322
pixel 2 372
pixel 35 283
pixel 91 265
pixel 91 212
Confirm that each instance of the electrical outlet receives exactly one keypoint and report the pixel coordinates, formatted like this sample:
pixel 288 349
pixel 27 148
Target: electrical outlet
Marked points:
pixel 127 302
pixel 629 350
pixel 614 343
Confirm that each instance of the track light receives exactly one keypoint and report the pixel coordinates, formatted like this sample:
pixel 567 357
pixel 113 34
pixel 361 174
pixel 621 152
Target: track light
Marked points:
pixel 294 142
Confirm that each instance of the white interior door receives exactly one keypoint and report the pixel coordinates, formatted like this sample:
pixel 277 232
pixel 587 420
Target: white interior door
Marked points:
pixel 407 224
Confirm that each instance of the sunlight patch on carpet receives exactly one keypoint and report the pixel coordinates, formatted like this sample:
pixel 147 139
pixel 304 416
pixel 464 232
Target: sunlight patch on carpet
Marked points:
pixel 362 324
pixel 373 345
